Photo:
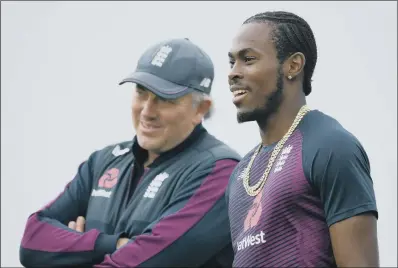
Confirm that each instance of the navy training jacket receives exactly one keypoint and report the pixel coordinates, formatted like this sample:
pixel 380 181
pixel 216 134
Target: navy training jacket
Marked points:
pixel 174 211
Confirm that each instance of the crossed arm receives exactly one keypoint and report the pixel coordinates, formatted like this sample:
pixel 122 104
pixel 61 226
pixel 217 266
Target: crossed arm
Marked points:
pixel 48 242
pixel 79 226
pixel 55 236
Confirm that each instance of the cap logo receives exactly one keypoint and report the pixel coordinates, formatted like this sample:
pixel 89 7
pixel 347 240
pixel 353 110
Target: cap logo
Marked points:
pixel 205 82
pixel 161 56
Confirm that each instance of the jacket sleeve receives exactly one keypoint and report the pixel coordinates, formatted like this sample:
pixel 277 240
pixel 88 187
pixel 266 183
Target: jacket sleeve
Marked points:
pixel 193 228
pixel 48 242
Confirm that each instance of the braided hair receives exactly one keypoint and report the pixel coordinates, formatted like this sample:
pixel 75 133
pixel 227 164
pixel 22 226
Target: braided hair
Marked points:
pixel 291 34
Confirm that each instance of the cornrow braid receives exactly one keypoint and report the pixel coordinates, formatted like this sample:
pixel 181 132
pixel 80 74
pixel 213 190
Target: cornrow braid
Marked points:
pixel 291 34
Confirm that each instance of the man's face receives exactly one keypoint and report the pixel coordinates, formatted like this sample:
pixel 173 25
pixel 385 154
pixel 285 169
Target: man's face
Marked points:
pixel 162 124
pixel 256 77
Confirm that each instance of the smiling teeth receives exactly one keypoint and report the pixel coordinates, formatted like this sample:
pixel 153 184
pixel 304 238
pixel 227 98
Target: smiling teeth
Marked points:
pixel 239 92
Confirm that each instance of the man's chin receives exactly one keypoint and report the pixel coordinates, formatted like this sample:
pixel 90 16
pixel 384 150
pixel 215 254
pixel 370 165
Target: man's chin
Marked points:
pixel 148 144
pixel 247 116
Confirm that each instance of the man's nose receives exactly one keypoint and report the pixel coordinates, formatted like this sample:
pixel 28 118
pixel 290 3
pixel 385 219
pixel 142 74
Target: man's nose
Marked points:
pixel 235 74
pixel 149 110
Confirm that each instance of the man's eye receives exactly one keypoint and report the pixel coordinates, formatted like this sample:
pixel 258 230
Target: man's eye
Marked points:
pixel 247 59
pixel 167 100
pixel 140 91
pixel 231 63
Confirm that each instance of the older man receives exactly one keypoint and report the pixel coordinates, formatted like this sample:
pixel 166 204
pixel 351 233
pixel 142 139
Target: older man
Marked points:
pixel 157 200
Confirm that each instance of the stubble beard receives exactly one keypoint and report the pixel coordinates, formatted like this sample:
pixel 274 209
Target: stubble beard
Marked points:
pixel 272 103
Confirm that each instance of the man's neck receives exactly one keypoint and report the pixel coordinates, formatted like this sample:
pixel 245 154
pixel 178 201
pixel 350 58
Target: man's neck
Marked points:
pixel 278 124
pixel 151 157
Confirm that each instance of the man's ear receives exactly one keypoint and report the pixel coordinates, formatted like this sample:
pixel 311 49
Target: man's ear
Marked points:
pixel 294 65
pixel 210 112
pixel 203 109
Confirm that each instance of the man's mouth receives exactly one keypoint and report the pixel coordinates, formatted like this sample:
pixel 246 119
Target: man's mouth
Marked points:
pixel 149 126
pixel 239 92
pixel 238 96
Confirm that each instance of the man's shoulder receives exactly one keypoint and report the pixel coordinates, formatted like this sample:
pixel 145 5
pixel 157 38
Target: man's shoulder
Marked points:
pixel 213 147
pixel 110 152
pixel 326 142
pixel 321 131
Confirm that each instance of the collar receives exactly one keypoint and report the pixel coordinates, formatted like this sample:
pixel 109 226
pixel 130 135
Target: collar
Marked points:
pixel 141 154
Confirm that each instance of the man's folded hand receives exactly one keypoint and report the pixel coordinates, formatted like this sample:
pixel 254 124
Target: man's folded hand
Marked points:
pixel 78 225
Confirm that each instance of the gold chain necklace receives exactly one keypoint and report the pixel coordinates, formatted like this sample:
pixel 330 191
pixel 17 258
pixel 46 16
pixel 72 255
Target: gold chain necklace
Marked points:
pixel 254 190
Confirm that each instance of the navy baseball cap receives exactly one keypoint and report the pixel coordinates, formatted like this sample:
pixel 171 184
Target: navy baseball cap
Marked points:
pixel 173 68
